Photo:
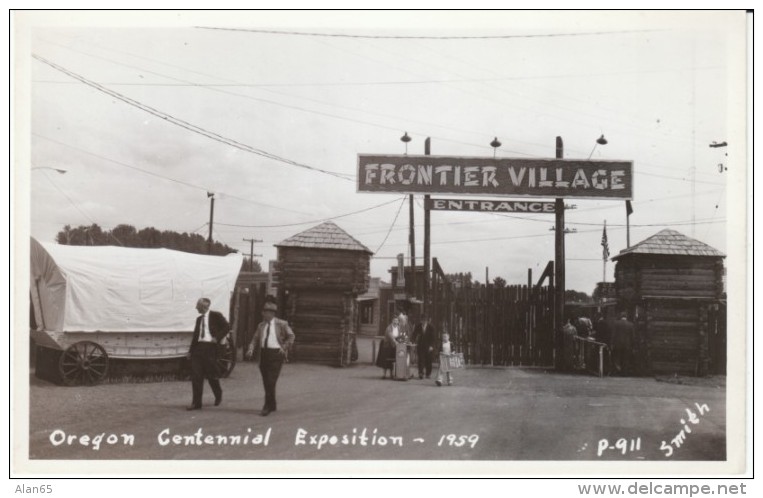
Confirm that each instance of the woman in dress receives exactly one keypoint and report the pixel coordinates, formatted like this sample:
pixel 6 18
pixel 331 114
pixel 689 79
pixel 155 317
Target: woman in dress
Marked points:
pixel 385 359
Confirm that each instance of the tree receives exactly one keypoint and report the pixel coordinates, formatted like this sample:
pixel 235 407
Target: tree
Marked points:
pixel 83 235
pixel 573 296
pixel 460 279
pixel 128 236
pixel 499 282
pixel 252 265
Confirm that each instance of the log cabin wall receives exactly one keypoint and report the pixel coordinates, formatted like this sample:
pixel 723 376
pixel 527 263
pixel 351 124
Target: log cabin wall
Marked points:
pixel 674 302
pixel 318 289
pixel 324 269
pixel 323 321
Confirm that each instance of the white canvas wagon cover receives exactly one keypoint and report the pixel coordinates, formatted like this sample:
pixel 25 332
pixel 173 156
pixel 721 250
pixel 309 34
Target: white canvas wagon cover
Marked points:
pixel 119 289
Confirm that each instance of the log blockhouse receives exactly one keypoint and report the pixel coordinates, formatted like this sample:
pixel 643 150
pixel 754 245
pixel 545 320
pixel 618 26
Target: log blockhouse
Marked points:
pixel 320 273
pixel 672 287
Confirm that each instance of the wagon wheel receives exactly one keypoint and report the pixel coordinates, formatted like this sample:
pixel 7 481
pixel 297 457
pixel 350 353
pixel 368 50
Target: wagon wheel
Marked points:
pixel 226 357
pixel 83 363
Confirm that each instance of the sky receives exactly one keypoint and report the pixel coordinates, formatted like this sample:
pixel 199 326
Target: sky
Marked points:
pixel 148 113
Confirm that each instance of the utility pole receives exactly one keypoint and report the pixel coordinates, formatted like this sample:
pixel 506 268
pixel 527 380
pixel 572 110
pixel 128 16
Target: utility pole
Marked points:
pixel 604 259
pixel 411 237
pixel 251 252
pixel 412 240
pixel 559 258
pixel 211 196
pixel 427 240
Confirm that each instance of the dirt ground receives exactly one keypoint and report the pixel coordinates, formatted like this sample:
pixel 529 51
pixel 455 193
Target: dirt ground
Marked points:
pixel 329 413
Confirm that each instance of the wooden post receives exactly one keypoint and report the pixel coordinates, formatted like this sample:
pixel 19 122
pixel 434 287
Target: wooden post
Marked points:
pixel 559 257
pixel 604 260
pixel 427 241
pixel 211 221
pixel 412 240
pixel 251 252
pixel 436 302
pixel 529 280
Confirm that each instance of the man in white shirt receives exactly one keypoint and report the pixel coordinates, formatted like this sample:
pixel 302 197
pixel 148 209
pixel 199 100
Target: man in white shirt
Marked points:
pixel 211 327
pixel 270 347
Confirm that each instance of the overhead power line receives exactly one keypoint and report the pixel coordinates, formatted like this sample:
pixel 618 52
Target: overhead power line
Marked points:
pixel 76 206
pixel 402 201
pixel 428 37
pixel 218 88
pixel 186 125
pixel 164 177
pixel 309 222
pixel 383 83
pixel 531 236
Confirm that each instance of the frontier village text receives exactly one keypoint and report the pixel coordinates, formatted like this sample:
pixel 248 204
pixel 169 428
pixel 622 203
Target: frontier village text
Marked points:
pixel 523 177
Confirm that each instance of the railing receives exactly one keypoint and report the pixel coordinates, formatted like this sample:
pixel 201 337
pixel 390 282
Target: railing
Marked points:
pixel 590 355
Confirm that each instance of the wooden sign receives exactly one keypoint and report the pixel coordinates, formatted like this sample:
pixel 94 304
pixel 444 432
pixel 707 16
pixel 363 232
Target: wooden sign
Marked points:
pixel 487 176
pixel 505 206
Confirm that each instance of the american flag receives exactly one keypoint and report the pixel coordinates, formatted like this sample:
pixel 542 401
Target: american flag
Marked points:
pixel 605 244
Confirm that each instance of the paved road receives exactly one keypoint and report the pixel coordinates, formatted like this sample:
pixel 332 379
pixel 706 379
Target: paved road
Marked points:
pixel 493 413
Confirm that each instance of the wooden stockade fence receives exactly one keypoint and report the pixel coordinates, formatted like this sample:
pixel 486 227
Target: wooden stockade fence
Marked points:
pixel 491 325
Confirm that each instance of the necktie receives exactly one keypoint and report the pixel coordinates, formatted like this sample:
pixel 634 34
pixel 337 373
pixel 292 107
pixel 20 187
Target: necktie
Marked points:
pixel 267 334
pixel 203 329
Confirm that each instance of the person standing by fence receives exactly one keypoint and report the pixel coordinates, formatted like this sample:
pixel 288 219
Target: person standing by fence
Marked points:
pixel 385 358
pixel 622 334
pixel 584 326
pixel 424 338
pixel 569 332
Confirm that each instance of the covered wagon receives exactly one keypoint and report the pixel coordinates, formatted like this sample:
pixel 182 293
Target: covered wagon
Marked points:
pixel 101 307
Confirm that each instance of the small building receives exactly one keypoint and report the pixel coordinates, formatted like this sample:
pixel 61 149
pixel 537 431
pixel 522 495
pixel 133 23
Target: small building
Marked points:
pixel 405 294
pixel 371 310
pixel 672 288
pixel 320 273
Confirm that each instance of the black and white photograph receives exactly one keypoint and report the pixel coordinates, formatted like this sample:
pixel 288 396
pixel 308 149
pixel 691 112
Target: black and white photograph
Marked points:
pixel 422 243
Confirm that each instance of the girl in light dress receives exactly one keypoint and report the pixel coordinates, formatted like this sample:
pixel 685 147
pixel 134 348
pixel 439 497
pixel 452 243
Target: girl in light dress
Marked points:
pixel 444 350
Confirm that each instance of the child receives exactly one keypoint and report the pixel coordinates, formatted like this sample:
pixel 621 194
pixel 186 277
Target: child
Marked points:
pixel 444 351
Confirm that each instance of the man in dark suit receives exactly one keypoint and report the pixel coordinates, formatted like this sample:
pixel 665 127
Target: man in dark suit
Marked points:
pixel 424 336
pixel 211 327
pixel 270 347
pixel 601 329
pixel 622 335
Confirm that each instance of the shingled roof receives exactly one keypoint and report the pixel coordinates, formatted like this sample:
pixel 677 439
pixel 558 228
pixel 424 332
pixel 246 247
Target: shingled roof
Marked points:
pixel 324 236
pixel 671 242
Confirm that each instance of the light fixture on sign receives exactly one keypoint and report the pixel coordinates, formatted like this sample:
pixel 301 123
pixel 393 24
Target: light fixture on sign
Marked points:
pixel 599 141
pixel 495 144
pixel 405 139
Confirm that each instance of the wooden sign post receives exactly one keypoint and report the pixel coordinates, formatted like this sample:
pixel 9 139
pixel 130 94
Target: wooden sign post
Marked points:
pixel 427 241
pixel 559 261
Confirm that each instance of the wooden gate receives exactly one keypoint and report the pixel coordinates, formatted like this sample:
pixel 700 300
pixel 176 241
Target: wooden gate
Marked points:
pixel 491 325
